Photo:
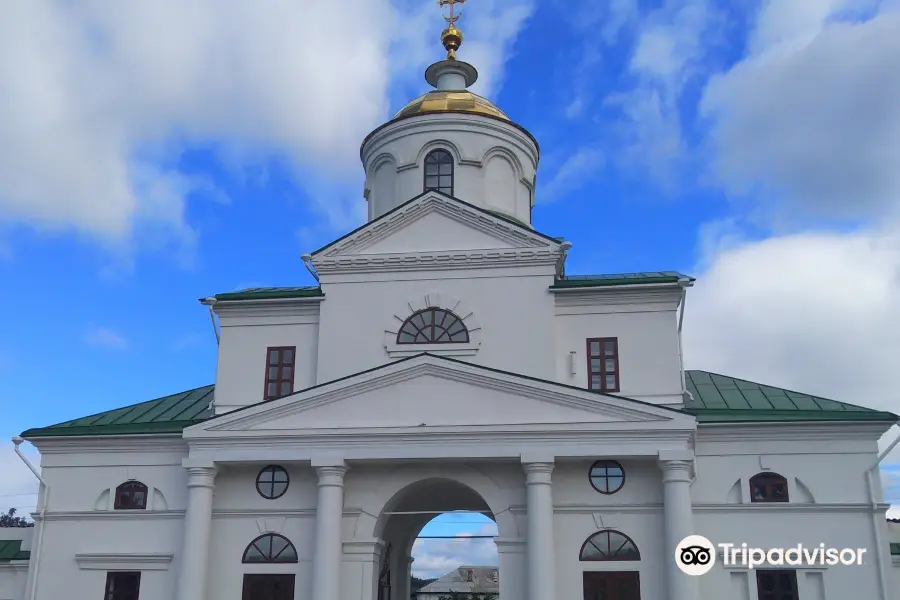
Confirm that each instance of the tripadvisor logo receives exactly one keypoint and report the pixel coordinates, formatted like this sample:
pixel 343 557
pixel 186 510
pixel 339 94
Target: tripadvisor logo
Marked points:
pixel 696 555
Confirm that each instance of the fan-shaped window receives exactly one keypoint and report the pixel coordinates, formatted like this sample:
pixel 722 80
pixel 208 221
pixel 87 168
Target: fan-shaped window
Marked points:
pixel 131 495
pixel 439 171
pixel 609 545
pixel 433 326
pixel 270 548
pixel 607 476
pixel 768 487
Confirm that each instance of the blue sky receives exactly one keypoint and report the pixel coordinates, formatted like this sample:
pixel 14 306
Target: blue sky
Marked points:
pixel 750 144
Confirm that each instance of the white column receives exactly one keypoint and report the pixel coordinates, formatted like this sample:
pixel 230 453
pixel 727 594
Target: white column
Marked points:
pixel 197 531
pixel 678 520
pixel 541 568
pixel 329 511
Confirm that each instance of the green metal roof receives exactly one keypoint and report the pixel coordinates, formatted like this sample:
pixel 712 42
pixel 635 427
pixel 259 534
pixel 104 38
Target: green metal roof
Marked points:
pixel 270 293
pixel 716 399
pixel 722 399
pixel 169 414
pixel 600 280
pixel 12 550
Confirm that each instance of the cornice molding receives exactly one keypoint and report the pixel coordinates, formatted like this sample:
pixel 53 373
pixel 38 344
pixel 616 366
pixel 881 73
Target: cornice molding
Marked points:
pixel 668 295
pixel 112 444
pixel 706 507
pixel 789 432
pixel 629 413
pixel 121 561
pixel 526 247
pixel 437 261
pixel 422 124
pixel 120 515
pixel 281 307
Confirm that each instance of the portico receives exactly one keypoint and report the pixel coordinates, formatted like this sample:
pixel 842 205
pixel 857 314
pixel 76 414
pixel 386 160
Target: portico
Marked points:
pixel 371 482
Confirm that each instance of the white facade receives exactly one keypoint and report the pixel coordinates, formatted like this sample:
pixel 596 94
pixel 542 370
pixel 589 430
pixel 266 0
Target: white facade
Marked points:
pixel 379 435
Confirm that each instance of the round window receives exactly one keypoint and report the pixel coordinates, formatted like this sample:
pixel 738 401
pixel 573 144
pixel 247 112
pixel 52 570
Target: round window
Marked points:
pixel 607 476
pixel 272 482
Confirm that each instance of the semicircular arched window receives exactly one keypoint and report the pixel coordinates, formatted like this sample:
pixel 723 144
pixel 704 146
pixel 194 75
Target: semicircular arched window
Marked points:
pixel 131 495
pixel 609 545
pixel 439 171
pixel 768 487
pixel 433 326
pixel 270 548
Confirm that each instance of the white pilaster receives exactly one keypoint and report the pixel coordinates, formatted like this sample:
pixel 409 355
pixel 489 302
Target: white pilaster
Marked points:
pixel 678 516
pixel 328 547
pixel 197 529
pixel 541 566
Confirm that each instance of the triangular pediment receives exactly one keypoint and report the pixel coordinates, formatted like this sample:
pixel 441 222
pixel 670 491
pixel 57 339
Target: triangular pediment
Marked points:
pixel 435 222
pixel 427 391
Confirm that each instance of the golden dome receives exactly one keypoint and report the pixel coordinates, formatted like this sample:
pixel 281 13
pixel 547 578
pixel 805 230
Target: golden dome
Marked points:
pixel 460 101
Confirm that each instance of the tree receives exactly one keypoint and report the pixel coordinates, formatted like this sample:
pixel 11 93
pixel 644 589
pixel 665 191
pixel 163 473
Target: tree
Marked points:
pixel 11 520
pixel 417 584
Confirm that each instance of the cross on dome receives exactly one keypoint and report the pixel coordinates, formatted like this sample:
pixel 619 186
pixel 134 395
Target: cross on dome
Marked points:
pixel 451 37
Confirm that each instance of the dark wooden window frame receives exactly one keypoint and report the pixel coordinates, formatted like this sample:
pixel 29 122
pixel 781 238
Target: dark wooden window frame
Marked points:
pixel 114 590
pixel 437 157
pixel 612 557
pixel 611 577
pixel 271 481
pixel 435 330
pixel 281 364
pixel 130 488
pixel 778 593
pixel 269 558
pixel 602 374
pixel 607 464
pixel 767 480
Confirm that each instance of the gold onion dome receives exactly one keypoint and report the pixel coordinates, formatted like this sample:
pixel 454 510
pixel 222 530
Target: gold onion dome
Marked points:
pixel 451 78
pixel 461 101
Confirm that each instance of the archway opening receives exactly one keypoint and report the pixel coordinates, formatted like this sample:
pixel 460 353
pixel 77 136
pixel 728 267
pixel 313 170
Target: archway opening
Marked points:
pixel 438 537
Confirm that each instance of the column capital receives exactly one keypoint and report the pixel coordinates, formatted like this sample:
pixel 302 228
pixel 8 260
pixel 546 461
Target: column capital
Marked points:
pixel 677 470
pixel 538 473
pixel 331 475
pixel 201 473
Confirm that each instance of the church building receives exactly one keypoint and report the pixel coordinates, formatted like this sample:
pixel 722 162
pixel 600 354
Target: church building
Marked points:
pixel 448 360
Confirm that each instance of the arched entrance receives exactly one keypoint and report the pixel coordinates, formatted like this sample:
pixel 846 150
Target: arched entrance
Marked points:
pixel 404 516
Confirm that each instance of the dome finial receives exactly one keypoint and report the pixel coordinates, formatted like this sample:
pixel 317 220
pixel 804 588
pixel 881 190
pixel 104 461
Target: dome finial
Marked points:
pixel 451 37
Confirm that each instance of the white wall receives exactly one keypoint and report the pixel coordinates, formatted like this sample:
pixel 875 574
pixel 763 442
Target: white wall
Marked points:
pixel 495 162
pixel 645 322
pixel 512 305
pixel 246 332
pixel 838 515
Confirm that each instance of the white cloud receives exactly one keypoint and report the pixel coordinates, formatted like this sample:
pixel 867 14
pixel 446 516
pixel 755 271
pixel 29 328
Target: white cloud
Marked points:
pixel 100 100
pixel 437 557
pixel 670 48
pixel 18 485
pixel 577 169
pixel 103 337
pixel 809 120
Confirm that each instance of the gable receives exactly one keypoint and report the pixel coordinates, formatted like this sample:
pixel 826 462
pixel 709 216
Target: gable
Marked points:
pixel 431 229
pixel 435 228
pixel 429 391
